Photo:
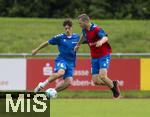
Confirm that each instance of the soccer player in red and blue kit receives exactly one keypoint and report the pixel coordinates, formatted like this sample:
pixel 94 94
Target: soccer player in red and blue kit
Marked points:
pixel 100 50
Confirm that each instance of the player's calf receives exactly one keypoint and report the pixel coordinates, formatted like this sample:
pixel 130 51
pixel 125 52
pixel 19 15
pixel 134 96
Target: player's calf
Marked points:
pixel 104 78
pixel 39 87
pixel 56 75
pixel 97 80
pixel 67 82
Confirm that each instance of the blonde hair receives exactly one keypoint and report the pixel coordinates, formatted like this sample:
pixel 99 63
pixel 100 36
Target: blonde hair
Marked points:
pixel 84 17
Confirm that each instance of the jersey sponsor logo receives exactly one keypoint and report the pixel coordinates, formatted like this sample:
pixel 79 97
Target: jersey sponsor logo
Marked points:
pixel 92 44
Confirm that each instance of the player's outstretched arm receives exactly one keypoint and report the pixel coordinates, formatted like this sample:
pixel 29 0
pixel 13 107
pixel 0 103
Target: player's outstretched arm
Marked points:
pixel 102 41
pixel 76 48
pixel 39 48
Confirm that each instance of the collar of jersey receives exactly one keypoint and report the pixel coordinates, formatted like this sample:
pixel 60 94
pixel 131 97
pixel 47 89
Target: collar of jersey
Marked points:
pixel 69 36
pixel 92 26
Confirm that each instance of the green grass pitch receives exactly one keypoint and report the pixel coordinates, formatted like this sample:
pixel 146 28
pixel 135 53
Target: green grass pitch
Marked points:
pixel 100 108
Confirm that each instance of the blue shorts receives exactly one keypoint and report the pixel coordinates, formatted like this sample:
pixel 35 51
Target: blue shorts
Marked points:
pixel 62 64
pixel 100 63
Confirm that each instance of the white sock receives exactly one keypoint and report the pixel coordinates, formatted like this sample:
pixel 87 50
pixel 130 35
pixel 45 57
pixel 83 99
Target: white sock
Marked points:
pixel 45 82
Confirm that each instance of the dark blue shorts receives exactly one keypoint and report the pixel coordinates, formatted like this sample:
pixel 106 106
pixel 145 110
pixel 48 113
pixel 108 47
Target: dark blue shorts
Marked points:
pixel 100 63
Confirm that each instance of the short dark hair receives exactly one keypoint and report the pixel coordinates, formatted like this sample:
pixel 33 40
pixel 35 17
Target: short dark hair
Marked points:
pixel 84 17
pixel 68 22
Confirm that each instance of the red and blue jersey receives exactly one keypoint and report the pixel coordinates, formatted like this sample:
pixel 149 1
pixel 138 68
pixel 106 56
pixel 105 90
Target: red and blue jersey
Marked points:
pixel 92 36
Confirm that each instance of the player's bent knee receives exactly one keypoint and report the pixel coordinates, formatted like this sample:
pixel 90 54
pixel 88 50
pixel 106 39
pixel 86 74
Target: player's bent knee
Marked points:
pixel 103 75
pixel 61 72
pixel 103 78
pixel 98 82
pixel 69 81
pixel 95 79
pixel 95 82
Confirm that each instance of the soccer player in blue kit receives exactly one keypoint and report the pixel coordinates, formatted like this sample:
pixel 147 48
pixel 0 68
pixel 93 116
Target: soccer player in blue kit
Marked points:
pixel 65 61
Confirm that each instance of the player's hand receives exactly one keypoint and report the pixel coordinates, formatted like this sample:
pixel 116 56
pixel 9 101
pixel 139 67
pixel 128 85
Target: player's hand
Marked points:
pixel 76 48
pixel 99 43
pixel 34 52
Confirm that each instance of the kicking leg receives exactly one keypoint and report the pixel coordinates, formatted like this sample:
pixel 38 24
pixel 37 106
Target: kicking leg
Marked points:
pixel 67 82
pixel 111 84
pixel 97 80
pixel 53 77
pixel 105 79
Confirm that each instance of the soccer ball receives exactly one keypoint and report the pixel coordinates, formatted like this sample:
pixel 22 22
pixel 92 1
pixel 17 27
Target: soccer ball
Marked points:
pixel 51 93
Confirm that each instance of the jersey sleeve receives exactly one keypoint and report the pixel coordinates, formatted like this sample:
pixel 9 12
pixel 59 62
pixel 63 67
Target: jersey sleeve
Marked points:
pixel 101 33
pixel 55 40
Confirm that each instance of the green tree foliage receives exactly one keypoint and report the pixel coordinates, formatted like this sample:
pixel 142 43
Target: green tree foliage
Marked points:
pixel 104 9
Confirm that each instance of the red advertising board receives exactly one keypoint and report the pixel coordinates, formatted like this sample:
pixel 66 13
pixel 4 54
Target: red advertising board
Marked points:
pixel 127 71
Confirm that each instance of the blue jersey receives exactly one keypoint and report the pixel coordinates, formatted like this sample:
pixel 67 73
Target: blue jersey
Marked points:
pixel 66 46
